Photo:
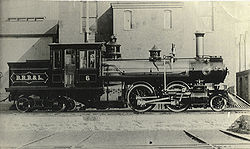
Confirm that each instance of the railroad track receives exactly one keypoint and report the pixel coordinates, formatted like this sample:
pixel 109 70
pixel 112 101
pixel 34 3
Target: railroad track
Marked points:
pixel 238 102
pixel 214 139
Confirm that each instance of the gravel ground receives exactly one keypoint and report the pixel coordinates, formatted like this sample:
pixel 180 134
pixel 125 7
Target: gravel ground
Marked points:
pixel 117 120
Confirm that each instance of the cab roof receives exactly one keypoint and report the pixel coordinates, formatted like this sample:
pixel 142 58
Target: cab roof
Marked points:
pixel 76 43
pixel 95 45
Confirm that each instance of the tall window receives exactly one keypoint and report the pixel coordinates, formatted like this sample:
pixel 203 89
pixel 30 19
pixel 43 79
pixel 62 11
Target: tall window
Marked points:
pixel 167 19
pixel 127 19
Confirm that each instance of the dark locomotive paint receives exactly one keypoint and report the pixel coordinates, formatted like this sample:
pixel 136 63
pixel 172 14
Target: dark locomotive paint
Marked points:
pixel 81 71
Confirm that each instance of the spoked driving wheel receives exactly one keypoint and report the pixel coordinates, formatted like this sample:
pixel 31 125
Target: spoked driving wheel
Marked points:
pixel 218 103
pixel 178 102
pixel 23 104
pixel 133 97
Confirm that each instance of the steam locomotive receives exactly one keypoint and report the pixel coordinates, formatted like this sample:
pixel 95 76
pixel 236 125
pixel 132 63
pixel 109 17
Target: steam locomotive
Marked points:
pixel 95 75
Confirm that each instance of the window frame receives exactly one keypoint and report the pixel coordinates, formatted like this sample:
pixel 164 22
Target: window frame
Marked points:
pixel 87 58
pixel 125 20
pixel 59 58
pixel 170 19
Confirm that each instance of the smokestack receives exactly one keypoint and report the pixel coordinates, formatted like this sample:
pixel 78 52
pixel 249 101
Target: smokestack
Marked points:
pixel 199 44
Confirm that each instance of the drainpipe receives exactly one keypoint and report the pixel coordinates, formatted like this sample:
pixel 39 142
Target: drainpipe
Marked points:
pixel 240 52
pixel 87 22
pixel 81 16
pixel 245 51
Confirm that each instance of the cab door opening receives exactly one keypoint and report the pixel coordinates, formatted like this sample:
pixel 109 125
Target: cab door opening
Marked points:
pixel 70 68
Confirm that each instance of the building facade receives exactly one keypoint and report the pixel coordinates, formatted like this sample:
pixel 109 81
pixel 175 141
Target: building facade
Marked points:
pixel 28 26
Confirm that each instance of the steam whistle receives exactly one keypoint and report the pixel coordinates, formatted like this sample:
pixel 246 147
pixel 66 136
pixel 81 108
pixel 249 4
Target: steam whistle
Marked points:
pixel 172 55
pixel 173 50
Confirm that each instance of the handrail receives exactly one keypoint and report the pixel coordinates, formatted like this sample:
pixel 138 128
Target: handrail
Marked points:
pixel 115 67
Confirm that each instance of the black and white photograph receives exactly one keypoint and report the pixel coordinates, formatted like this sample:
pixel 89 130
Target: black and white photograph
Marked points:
pixel 124 74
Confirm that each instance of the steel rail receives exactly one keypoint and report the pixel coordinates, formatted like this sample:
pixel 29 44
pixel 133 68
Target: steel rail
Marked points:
pixel 239 98
pixel 198 139
pixel 235 135
pixel 34 141
pixel 83 140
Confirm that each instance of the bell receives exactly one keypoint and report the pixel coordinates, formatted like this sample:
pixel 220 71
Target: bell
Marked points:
pixel 112 49
pixel 154 54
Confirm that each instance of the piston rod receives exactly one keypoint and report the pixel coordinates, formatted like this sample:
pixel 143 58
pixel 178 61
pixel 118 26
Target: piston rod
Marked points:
pixel 143 102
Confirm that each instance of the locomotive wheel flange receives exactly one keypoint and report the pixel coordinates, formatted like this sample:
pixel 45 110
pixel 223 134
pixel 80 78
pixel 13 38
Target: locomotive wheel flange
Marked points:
pixel 179 105
pixel 218 103
pixel 23 104
pixel 139 90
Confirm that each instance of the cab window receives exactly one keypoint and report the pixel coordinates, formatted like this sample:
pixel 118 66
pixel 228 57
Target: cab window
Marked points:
pixel 91 59
pixel 83 59
pixel 87 59
pixel 57 59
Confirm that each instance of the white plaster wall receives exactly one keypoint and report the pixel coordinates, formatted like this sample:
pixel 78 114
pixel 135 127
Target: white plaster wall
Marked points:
pixel 148 30
pixel 220 42
pixel 20 50
pixel 69 22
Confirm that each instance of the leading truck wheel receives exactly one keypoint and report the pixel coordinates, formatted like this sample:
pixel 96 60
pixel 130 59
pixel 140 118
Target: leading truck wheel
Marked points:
pixel 137 91
pixel 23 104
pixel 178 104
pixel 218 103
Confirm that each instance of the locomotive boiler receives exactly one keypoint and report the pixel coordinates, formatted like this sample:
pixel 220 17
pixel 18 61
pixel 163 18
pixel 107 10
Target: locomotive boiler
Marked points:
pixel 95 75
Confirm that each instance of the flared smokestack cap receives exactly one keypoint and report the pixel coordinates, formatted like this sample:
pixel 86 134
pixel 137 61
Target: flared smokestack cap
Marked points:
pixel 199 34
pixel 199 44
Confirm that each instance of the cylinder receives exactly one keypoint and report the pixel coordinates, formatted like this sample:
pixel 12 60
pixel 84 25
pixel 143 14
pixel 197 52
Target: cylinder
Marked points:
pixel 199 44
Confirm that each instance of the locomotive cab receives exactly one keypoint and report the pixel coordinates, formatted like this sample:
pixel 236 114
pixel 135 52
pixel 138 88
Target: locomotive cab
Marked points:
pixel 75 65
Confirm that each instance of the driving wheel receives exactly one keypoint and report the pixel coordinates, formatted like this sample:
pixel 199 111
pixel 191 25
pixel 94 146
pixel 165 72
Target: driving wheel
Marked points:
pixel 178 104
pixel 134 94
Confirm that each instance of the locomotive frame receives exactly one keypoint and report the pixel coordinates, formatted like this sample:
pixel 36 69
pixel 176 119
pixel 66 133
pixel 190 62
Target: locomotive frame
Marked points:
pixel 88 73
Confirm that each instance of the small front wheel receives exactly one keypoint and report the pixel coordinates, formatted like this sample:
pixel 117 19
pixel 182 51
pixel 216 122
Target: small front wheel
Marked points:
pixel 218 103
